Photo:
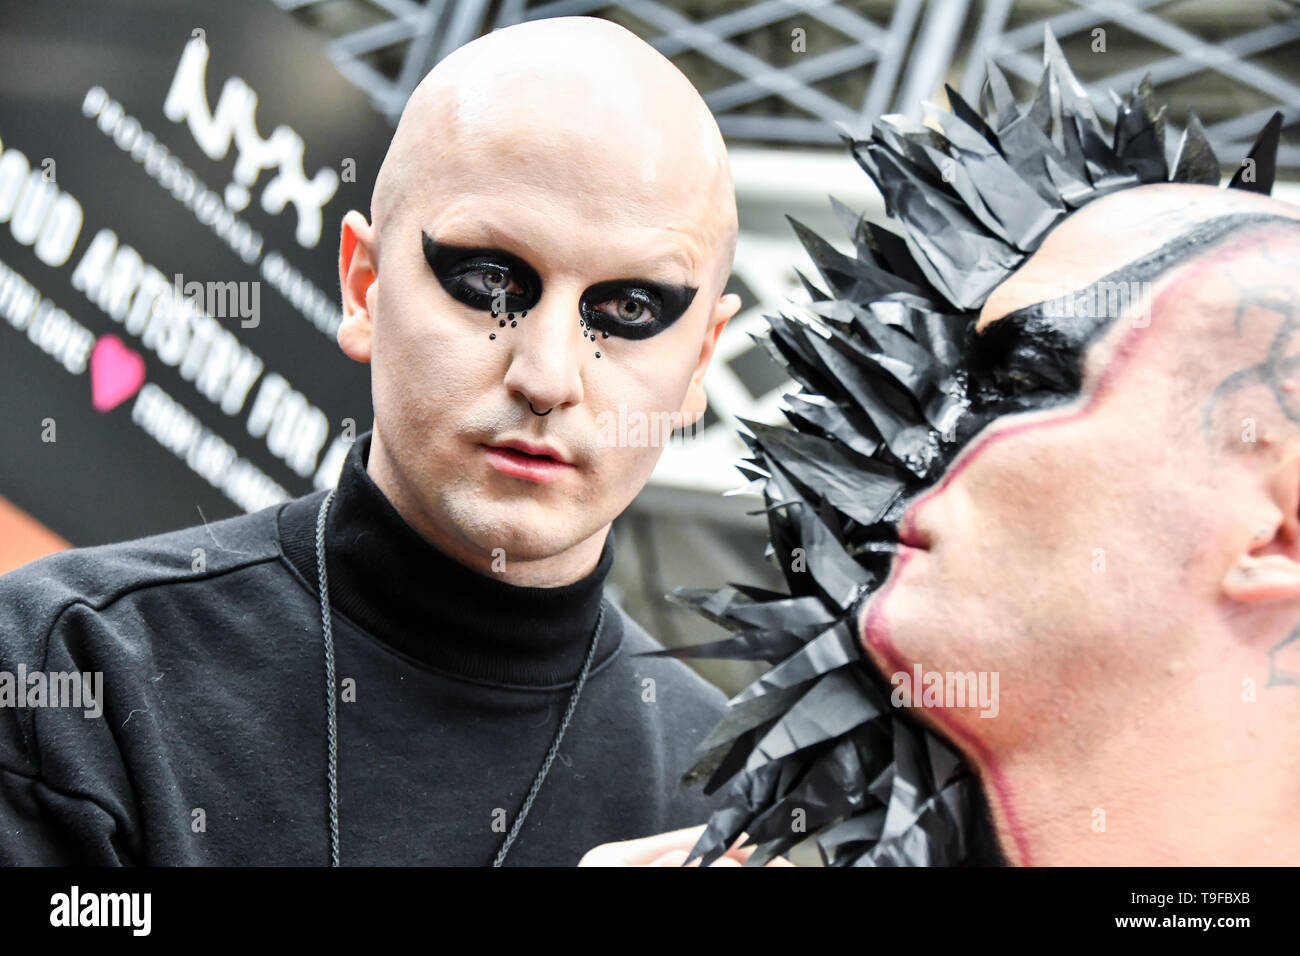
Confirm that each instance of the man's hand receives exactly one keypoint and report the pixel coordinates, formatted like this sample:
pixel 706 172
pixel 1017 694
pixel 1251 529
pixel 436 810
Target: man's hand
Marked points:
pixel 667 849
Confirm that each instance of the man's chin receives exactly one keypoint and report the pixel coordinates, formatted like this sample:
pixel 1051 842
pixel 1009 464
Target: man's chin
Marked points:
pixel 879 620
pixel 519 531
pixel 519 541
pixel 907 623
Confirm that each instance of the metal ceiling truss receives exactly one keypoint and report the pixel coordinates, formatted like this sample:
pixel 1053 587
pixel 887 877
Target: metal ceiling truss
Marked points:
pixel 434 29
pixel 908 57
pixel 1018 51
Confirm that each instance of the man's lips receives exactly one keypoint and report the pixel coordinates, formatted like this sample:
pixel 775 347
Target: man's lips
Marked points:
pixel 528 448
pixel 528 461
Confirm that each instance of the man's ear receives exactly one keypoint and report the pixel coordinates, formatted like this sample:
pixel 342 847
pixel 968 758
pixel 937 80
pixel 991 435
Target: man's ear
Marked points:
pixel 695 401
pixel 1267 566
pixel 357 273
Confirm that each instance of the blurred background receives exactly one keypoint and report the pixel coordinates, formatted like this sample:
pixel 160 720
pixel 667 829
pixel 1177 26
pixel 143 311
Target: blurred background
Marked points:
pixel 223 140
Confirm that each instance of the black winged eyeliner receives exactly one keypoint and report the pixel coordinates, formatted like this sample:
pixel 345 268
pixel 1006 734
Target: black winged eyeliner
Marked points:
pixel 663 302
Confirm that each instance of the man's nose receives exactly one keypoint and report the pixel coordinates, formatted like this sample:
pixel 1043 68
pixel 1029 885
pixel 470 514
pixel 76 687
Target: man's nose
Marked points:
pixel 547 351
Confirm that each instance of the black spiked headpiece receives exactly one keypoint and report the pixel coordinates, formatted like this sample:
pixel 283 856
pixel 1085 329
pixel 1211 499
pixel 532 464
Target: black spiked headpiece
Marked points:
pixel 814 748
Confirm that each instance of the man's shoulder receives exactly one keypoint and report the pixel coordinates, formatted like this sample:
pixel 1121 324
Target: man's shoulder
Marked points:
pixel 691 709
pixel 34 595
pixel 685 682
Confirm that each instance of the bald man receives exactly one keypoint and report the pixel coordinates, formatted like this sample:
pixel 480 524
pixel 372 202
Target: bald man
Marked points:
pixel 1127 561
pixel 552 230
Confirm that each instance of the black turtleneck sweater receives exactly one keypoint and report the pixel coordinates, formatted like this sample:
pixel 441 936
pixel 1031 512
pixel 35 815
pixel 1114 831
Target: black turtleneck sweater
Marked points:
pixel 211 744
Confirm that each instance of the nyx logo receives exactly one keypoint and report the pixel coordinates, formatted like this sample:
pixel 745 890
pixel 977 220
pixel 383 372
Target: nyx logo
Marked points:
pixel 234 118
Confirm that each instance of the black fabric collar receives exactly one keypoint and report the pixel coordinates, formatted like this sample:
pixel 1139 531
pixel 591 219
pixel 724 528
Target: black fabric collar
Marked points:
pixel 388 579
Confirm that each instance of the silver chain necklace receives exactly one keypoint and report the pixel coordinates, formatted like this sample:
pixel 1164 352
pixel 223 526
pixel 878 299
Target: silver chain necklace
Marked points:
pixel 331 691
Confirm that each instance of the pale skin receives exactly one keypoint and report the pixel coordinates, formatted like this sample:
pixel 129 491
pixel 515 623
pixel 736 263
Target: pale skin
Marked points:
pixel 1127 734
pixel 1149 698
pixel 574 146
pixel 668 849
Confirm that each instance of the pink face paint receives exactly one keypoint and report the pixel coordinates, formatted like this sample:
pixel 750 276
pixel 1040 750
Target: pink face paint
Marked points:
pixel 876 634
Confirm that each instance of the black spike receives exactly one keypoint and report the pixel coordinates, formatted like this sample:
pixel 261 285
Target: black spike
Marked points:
pixel 1259 168
pixel 1195 161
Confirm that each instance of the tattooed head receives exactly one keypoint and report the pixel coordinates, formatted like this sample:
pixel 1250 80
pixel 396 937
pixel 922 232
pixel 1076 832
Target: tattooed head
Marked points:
pixel 1004 512
pixel 1120 562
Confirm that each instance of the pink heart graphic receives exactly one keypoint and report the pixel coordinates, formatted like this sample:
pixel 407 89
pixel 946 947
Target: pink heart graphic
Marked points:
pixel 116 373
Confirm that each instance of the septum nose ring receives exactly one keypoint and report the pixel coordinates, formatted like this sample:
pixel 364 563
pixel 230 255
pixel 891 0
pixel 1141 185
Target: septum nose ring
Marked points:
pixel 540 414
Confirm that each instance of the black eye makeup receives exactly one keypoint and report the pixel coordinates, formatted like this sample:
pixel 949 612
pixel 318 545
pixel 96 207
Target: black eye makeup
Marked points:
pixel 1033 357
pixel 634 308
pixel 490 280
pixel 496 281
pixel 1024 360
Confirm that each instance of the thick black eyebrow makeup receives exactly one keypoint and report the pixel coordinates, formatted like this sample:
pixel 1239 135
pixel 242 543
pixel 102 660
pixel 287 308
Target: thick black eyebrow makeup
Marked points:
pixel 1034 356
pixel 663 302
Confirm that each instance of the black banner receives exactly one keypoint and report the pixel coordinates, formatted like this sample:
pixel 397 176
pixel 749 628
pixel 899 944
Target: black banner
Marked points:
pixel 917 909
pixel 172 179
